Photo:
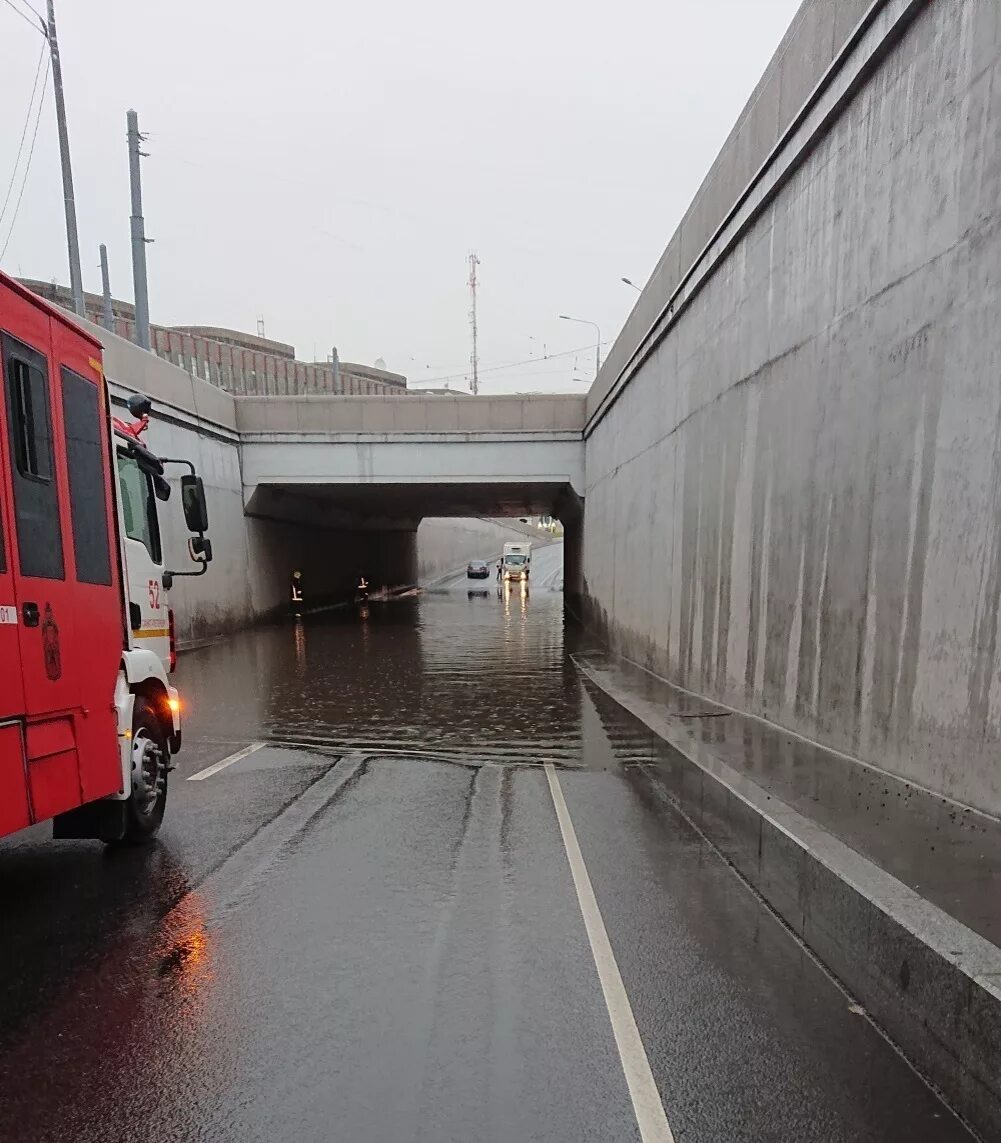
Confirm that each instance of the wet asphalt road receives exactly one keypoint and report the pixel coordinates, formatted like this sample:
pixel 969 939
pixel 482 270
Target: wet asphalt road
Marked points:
pixel 367 930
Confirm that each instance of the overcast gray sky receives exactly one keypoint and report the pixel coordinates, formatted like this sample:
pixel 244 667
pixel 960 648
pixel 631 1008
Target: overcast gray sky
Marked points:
pixel 329 166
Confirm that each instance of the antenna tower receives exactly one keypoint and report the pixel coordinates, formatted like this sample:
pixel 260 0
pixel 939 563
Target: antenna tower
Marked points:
pixel 474 359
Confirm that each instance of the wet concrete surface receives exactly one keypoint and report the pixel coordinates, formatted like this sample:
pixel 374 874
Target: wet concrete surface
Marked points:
pixel 948 853
pixel 375 936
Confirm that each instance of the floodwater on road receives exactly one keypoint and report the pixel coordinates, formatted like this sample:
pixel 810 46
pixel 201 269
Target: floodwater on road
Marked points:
pixel 465 666
pixel 381 921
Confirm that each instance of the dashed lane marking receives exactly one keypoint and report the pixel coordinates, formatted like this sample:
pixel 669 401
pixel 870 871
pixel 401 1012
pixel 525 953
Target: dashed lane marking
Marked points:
pixel 224 762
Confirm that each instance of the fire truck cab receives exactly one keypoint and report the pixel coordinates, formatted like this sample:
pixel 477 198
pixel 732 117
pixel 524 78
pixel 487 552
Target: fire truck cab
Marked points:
pixel 88 718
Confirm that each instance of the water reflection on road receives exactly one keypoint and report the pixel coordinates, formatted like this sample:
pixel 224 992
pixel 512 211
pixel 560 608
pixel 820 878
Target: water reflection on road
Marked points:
pixel 390 947
pixel 464 666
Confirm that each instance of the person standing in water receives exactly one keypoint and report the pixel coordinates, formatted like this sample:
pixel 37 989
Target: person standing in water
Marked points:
pixel 297 600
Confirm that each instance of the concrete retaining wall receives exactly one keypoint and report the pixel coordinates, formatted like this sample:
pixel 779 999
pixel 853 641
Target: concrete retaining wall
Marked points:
pixel 195 421
pixel 818 32
pixel 794 468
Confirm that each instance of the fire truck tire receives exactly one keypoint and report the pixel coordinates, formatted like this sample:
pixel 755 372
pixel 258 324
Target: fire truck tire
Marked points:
pixel 150 759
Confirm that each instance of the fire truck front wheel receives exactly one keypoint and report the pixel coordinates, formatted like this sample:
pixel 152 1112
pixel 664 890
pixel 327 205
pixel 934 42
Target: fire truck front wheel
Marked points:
pixel 150 758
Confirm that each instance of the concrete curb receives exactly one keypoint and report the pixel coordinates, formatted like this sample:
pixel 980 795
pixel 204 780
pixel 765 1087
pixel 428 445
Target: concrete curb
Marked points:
pixel 930 982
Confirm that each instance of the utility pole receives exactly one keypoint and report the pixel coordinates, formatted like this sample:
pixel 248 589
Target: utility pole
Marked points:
pixel 474 358
pixel 108 318
pixel 138 226
pixel 72 239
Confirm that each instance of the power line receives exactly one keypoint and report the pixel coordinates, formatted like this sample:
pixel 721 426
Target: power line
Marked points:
pixel 24 135
pixel 509 365
pixel 35 12
pixel 39 27
pixel 559 372
pixel 27 165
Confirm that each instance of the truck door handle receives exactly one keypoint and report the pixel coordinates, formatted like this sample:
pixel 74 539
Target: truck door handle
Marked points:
pixel 29 612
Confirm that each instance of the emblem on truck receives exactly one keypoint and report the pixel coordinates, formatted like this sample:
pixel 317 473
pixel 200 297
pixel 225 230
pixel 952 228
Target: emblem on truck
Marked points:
pixel 50 645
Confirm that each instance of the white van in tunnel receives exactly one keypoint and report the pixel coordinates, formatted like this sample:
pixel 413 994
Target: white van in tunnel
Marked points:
pixel 516 562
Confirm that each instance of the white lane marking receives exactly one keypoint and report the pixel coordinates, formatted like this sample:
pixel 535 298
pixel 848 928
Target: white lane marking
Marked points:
pixel 647 1106
pixel 223 763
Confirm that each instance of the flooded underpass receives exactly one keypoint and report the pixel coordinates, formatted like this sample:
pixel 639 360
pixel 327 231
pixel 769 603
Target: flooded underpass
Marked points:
pixel 416 885
pixel 464 666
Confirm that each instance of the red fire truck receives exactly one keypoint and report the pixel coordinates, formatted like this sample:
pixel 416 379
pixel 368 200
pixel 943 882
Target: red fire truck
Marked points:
pixel 88 718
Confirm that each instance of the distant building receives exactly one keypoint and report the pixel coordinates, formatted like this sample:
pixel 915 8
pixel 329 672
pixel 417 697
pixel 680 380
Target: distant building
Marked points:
pixel 241 363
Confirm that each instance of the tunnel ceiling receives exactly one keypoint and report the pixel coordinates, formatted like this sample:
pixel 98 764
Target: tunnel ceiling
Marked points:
pixel 409 503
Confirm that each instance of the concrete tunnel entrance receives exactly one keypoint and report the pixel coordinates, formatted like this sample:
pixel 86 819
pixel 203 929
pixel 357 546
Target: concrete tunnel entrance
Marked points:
pixel 335 532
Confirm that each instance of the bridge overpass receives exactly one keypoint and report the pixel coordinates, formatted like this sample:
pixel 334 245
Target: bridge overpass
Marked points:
pixel 336 484
pixel 389 461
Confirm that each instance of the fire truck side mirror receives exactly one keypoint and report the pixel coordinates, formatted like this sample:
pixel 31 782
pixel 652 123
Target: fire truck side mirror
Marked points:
pixel 200 549
pixel 161 487
pixel 196 513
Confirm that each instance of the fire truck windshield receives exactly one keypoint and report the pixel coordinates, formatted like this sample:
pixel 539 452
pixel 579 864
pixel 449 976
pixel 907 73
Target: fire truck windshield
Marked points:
pixel 138 506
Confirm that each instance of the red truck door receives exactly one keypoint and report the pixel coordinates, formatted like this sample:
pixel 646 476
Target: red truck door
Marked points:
pixel 14 810
pixel 93 655
pixel 70 733
pixel 42 595
pixel 60 596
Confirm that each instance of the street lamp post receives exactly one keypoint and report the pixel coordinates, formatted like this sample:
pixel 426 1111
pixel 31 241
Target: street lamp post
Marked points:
pixel 638 289
pixel 597 347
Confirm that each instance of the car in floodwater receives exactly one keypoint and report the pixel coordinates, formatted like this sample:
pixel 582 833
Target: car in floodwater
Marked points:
pixel 477 569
